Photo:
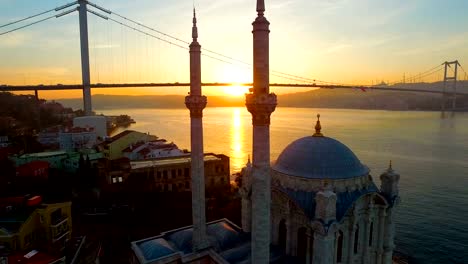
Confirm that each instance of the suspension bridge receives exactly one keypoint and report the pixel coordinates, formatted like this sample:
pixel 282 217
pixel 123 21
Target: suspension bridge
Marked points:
pixel 448 89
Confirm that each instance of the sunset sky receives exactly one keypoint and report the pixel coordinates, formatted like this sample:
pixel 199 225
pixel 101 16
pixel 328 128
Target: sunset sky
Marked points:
pixel 352 41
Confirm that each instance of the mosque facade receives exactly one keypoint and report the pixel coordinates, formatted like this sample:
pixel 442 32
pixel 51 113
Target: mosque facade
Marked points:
pixel 325 206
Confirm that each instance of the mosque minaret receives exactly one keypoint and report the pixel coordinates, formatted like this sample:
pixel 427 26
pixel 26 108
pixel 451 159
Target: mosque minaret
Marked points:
pixel 261 103
pixel 196 102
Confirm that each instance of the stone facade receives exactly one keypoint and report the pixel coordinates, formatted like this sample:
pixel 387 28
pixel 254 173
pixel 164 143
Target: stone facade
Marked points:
pixel 360 232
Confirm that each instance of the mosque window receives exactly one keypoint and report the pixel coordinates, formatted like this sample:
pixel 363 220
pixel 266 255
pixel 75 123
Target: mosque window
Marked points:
pixel 302 244
pixel 371 231
pixel 339 251
pixel 282 235
pixel 356 240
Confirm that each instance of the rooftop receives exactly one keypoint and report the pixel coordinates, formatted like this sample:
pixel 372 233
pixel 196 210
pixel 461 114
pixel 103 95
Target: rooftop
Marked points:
pixel 169 161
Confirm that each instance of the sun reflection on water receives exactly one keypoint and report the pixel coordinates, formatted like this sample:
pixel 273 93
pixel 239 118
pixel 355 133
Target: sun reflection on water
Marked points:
pixel 237 153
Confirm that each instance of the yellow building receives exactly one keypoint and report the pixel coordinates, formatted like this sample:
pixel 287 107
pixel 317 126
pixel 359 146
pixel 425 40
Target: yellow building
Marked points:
pixel 112 147
pixel 45 226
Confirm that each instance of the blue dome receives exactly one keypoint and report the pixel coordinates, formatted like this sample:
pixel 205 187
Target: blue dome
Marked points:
pixel 319 158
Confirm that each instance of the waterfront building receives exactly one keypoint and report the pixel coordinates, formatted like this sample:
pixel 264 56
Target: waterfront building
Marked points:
pixel 54 158
pixel 27 223
pixel 49 138
pixel 170 174
pixel 76 138
pixel 98 123
pixel 326 207
pixel 159 148
pixel 34 169
pixel 112 147
pixel 62 160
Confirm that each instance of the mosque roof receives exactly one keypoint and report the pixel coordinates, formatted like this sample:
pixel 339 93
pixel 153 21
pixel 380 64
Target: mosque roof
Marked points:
pixel 306 200
pixel 319 157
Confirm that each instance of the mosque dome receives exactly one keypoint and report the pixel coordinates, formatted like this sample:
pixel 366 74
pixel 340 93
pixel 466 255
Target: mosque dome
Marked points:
pixel 319 157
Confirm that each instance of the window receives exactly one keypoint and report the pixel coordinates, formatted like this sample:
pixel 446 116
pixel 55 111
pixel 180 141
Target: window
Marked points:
pixel 114 180
pixel 339 251
pixel 158 175
pixel 187 185
pixel 179 172
pixel 282 235
pixel 165 174
pixel 120 179
pixel 356 240
pixel 302 244
pixel 186 172
pixel 173 173
pixel 371 231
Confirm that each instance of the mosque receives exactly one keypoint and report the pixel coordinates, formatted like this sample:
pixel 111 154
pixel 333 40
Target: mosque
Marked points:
pixel 317 203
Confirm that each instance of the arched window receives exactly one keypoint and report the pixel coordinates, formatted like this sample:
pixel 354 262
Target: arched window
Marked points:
pixel 282 235
pixel 302 244
pixel 339 250
pixel 371 232
pixel 356 240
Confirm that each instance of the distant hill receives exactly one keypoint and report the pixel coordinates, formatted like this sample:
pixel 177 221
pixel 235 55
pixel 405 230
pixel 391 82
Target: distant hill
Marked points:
pixel 322 98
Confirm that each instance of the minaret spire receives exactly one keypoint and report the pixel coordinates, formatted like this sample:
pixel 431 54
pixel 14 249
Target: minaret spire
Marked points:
pixel 261 103
pixel 194 27
pixel 260 7
pixel 196 102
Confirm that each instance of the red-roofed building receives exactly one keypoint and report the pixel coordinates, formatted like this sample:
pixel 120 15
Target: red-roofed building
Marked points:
pixel 36 169
pixel 35 257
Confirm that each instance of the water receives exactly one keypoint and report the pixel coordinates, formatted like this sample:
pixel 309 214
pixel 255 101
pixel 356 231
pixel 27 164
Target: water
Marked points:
pixel 430 153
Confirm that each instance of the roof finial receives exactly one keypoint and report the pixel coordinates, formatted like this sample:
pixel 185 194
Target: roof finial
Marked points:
pixel 318 127
pixel 194 28
pixel 260 7
pixel 390 165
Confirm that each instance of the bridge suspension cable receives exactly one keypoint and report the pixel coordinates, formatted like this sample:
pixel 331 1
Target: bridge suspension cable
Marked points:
pixel 420 75
pixel 41 20
pixel 40 14
pixel 214 54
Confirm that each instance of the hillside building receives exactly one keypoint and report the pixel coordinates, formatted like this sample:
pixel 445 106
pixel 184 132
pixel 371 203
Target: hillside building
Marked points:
pixel 113 147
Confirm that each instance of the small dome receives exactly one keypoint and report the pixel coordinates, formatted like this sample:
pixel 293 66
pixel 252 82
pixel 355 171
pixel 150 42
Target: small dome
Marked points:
pixel 319 157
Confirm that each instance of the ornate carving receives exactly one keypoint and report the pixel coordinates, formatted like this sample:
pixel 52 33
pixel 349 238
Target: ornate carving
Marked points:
pixel 261 106
pixel 196 104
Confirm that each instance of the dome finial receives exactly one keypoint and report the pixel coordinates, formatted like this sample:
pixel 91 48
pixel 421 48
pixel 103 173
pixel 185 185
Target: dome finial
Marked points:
pixel 318 127
pixel 390 165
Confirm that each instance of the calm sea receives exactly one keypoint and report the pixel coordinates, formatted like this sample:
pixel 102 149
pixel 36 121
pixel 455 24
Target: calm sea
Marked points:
pixel 430 153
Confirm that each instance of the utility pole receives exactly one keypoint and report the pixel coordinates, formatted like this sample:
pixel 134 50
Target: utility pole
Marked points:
pixel 450 79
pixel 85 74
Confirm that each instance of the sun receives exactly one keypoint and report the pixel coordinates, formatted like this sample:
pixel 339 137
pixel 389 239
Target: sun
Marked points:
pixel 235 90
pixel 235 75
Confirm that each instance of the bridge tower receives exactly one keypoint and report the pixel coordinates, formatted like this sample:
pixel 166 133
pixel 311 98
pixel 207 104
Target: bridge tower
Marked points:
pixel 85 74
pixel 450 80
